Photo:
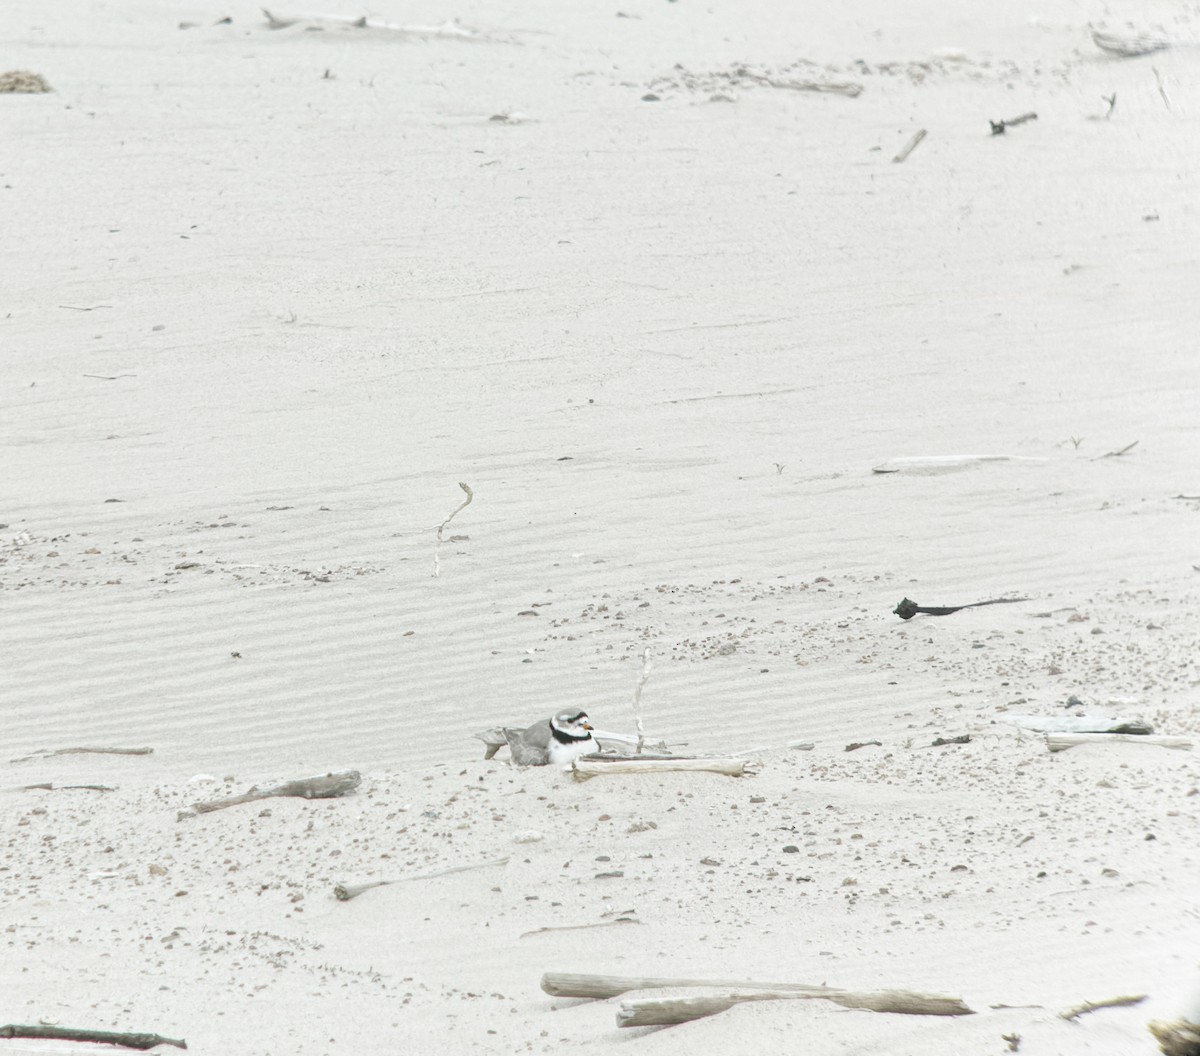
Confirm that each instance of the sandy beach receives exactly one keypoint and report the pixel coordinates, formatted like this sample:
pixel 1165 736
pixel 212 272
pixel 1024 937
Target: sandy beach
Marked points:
pixel 647 280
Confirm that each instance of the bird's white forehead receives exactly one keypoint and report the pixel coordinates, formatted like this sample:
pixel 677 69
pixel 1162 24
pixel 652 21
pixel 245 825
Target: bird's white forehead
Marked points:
pixel 570 717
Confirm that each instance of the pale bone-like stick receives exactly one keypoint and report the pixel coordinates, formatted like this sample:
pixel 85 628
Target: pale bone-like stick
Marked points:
pixel 345 892
pixel 1093 1006
pixel 583 769
pixel 910 146
pixel 324 786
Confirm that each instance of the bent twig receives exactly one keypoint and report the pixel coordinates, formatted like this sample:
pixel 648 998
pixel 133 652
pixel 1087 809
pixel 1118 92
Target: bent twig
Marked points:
pixel 108 1037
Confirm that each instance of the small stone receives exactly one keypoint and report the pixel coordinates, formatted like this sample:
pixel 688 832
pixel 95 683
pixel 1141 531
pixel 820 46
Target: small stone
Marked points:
pixel 791 848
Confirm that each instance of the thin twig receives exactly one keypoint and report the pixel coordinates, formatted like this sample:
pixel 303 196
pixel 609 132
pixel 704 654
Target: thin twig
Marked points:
pixel 108 1037
pixel 42 752
pixel 1161 90
pixel 1092 1006
pixel 345 892
pixel 1117 454
pixel 437 566
pixel 910 146
pixel 637 699
pixel 50 786
pixel 581 927
pixel 837 87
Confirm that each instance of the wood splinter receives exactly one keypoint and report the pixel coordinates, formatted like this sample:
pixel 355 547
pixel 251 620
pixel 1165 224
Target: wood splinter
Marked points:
pixel 345 892
pixel 41 753
pixel 910 146
pixel 1093 1006
pixel 107 1037
pixel 324 786
pixel 587 767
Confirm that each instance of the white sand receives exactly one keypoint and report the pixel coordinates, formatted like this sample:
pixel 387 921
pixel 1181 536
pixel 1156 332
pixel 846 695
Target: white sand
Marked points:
pixel 665 343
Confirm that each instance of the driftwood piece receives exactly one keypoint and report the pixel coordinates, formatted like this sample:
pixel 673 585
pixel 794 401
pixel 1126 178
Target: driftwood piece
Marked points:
pixel 345 892
pixel 1076 724
pixel 586 767
pixel 107 1037
pixel 324 786
pixel 849 88
pixel 585 984
pixel 1058 742
pixel 50 786
pixel 42 753
pixel 1092 1006
pixel 581 927
pixel 910 146
pixel 944 463
pixel 666 1011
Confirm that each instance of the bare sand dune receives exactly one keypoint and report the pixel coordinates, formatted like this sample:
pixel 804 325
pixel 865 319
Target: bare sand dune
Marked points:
pixel 647 279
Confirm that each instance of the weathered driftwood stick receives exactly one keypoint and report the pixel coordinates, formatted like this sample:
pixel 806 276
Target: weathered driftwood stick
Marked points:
pixel 581 927
pixel 584 984
pixel 585 768
pixel 108 1037
pixel 1076 724
pixel 345 892
pixel 665 1011
pixel 324 786
pixel 1058 742
pixel 944 463
pixel 836 87
pixel 910 146
pixel 50 786
pixel 1092 1006
pixel 41 753
pixel 437 546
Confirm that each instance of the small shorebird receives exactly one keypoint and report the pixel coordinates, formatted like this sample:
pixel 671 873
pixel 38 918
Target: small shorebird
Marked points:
pixel 555 741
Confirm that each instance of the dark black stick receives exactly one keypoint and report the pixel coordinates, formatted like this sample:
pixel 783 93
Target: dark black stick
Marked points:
pixel 130 1041
pixel 906 610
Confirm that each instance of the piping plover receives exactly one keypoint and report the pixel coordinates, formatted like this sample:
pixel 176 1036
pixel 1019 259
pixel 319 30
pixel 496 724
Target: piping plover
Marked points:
pixel 564 737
